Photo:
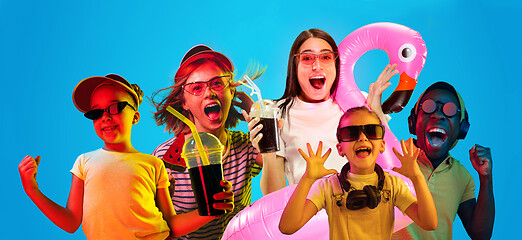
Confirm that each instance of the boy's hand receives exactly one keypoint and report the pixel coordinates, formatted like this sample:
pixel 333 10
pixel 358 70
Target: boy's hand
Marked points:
pixel 315 163
pixel 28 168
pixel 481 159
pixel 376 89
pixel 244 104
pixel 409 166
pixel 255 136
pixel 227 195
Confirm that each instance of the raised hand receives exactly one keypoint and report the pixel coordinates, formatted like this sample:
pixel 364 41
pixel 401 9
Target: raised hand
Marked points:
pixel 315 162
pixel 244 104
pixel 481 159
pixel 227 195
pixel 28 168
pixel 375 92
pixel 409 166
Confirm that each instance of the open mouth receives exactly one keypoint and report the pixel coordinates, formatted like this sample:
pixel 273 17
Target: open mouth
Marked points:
pixel 212 111
pixel 317 82
pixel 363 152
pixel 436 136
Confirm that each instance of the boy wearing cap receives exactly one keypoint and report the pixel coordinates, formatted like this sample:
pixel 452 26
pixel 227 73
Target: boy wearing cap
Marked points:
pixel 116 191
pixel 439 119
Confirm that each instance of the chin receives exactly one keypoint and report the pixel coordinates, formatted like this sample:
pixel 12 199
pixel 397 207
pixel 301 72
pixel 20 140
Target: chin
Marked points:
pixel 436 153
pixel 318 97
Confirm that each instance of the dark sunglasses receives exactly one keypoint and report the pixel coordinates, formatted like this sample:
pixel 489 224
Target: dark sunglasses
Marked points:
pixel 112 109
pixel 217 84
pixel 430 106
pixel 352 133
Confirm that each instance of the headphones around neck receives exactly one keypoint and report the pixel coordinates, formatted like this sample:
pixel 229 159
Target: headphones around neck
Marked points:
pixel 369 197
pixel 464 119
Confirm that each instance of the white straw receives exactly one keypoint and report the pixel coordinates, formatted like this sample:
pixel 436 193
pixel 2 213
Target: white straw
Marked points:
pixel 255 90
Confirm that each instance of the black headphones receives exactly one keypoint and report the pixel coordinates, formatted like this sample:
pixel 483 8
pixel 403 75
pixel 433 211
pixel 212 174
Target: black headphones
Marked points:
pixel 369 197
pixel 464 122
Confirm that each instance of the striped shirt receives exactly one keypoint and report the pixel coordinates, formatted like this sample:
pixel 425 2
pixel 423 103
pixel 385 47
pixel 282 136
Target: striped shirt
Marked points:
pixel 239 168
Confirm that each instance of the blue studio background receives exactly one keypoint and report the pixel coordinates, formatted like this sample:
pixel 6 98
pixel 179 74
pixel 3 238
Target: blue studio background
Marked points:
pixel 47 47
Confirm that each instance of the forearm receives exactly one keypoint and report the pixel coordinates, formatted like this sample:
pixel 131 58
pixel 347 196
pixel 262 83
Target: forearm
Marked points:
pixel 426 212
pixel 273 174
pixel 60 216
pixel 186 223
pixel 484 212
pixel 292 217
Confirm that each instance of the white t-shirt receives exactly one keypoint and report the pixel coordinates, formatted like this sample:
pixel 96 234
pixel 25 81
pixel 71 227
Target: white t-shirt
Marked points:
pixel 309 123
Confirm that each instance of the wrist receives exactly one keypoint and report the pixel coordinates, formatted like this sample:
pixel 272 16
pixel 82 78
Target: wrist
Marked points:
pixel 417 177
pixel 32 191
pixel 485 178
pixel 308 179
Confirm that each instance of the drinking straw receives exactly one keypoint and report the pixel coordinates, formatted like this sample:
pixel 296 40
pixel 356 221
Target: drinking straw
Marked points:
pixel 195 134
pixel 255 90
pixel 202 152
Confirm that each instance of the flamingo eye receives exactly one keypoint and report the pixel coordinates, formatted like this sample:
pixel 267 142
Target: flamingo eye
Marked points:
pixel 407 52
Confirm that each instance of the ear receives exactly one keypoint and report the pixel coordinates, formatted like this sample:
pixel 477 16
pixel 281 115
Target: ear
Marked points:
pixel 184 106
pixel 383 146
pixel 136 118
pixel 339 149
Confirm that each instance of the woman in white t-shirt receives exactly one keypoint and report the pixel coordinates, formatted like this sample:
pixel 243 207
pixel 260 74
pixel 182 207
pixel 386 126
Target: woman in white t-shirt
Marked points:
pixel 307 106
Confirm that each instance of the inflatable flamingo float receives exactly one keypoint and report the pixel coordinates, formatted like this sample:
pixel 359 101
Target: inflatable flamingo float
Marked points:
pixel 404 47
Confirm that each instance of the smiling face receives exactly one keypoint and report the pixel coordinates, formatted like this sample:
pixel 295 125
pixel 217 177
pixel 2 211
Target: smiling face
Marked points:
pixel 361 153
pixel 114 130
pixel 315 80
pixel 209 110
pixel 436 133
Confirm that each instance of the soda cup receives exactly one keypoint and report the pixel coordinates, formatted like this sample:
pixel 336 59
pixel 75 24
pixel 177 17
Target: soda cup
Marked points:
pixel 268 116
pixel 205 176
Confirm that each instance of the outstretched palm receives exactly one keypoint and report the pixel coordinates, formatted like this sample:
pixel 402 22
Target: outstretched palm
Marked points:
pixel 315 162
pixel 409 166
pixel 375 91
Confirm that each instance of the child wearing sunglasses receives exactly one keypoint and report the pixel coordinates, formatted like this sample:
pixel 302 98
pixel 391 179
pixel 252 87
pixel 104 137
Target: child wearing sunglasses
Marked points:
pixel 439 119
pixel 204 91
pixel 116 191
pixel 360 200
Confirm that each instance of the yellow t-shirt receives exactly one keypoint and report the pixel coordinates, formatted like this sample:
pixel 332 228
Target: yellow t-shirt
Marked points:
pixel 366 223
pixel 119 195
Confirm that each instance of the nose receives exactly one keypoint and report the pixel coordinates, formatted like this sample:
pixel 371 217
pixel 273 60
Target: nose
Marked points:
pixel 209 92
pixel 438 114
pixel 317 64
pixel 106 116
pixel 362 137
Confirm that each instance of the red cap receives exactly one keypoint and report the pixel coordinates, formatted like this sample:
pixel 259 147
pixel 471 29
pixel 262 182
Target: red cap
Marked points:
pixel 202 51
pixel 83 90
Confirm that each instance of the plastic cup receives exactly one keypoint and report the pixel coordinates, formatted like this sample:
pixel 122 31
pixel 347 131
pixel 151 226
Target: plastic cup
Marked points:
pixel 205 176
pixel 268 118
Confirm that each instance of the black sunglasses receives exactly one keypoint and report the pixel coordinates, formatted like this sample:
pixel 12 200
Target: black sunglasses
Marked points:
pixel 352 133
pixel 430 106
pixel 112 109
